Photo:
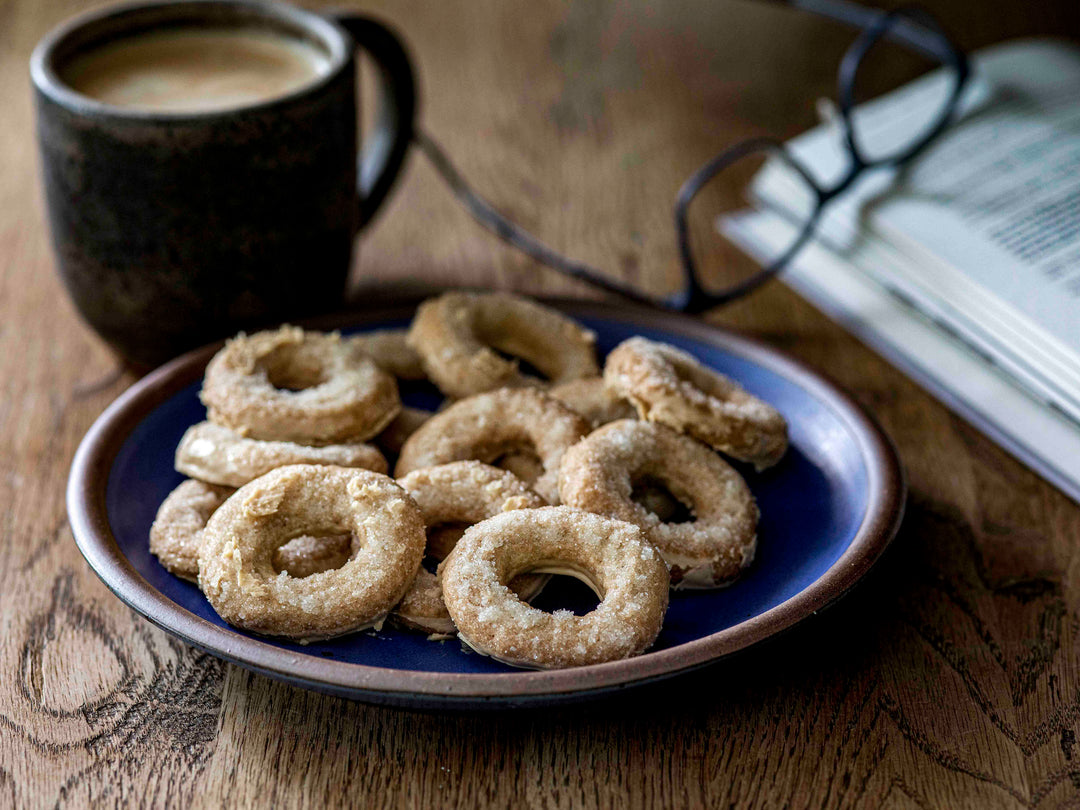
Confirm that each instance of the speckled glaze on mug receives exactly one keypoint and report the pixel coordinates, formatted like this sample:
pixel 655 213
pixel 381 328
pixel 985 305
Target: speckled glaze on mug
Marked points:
pixel 174 228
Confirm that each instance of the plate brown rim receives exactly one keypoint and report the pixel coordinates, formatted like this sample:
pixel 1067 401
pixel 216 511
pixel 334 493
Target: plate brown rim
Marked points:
pixel 89 522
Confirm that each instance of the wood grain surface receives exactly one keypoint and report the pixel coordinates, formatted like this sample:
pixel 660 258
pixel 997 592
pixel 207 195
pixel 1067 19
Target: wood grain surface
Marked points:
pixel 950 679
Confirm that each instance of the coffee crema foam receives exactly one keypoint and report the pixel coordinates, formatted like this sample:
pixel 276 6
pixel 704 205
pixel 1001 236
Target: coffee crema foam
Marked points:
pixel 196 69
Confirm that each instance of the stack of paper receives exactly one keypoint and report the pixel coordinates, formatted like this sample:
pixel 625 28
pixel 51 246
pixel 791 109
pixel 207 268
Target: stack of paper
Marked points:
pixel 963 268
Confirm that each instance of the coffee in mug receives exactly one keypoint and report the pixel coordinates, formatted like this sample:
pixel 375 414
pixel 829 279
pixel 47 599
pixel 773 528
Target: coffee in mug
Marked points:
pixel 195 69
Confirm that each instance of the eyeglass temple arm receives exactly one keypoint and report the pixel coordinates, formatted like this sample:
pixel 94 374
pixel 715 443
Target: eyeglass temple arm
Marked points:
pixel 691 298
pixel 694 298
pixel 487 216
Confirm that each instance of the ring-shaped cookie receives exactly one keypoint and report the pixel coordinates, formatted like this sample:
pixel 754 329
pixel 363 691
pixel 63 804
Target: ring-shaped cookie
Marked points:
pixel 236 571
pixel 297 386
pixel 612 556
pixel 599 474
pixel 525 465
pixel 459 336
pixel 176 533
pixel 218 455
pixel 488 426
pixel 593 400
pixel 671 387
pixel 176 536
pixel 459 493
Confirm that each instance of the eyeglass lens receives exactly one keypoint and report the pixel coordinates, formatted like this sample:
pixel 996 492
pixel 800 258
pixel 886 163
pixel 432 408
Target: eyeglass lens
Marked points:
pixel 920 91
pixel 733 192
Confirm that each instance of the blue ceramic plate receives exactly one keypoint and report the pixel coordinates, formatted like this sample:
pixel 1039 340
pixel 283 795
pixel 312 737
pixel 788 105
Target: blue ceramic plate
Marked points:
pixel 828 510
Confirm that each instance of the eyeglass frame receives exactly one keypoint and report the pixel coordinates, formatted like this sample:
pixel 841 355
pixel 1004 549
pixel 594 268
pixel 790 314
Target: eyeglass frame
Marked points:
pixel 911 26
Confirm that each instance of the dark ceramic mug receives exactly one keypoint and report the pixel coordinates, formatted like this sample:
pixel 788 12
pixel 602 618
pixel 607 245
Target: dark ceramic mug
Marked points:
pixel 172 229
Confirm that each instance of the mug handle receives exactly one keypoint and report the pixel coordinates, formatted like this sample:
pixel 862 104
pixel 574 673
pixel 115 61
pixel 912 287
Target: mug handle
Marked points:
pixel 384 150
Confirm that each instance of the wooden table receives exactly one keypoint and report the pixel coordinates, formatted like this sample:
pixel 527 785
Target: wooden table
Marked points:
pixel 952 678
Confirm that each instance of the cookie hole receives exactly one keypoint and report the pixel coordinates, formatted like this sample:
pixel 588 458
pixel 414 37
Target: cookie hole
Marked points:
pixel 522 462
pixel 702 380
pixel 312 554
pixel 288 370
pixel 524 366
pixel 430 564
pixel 565 592
pixel 441 539
pixel 653 496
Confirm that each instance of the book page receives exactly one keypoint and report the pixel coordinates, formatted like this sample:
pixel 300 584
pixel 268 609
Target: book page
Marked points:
pixel 997 197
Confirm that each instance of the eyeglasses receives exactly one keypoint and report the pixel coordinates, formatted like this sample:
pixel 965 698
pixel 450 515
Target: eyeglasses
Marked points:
pixel 867 146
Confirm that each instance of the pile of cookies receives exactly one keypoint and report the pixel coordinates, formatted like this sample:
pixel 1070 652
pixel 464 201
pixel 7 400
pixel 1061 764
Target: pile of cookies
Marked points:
pixel 292 527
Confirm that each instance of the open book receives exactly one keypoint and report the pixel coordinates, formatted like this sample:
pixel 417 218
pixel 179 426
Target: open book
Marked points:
pixel 963 267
